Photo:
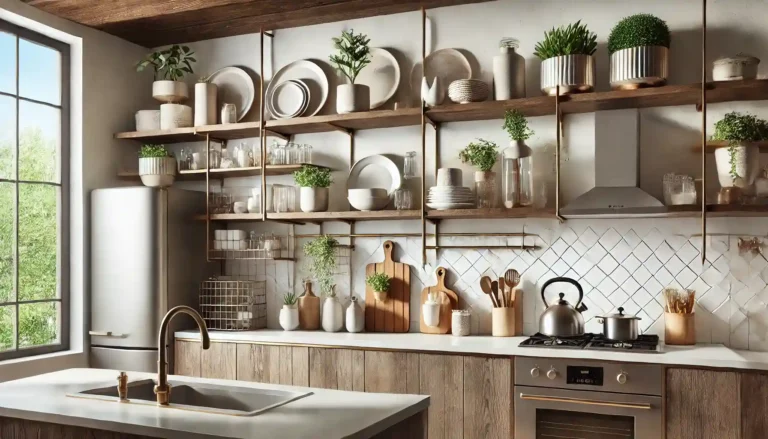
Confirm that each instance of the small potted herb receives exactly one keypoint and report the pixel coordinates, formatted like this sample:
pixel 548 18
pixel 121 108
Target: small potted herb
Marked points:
pixel 170 66
pixel 379 283
pixel 313 182
pixel 739 164
pixel 482 155
pixel 517 166
pixel 639 48
pixel 157 166
pixel 205 102
pixel 354 54
pixel 566 59
pixel 289 315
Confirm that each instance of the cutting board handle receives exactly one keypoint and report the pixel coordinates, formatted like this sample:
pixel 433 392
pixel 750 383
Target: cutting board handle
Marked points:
pixel 440 273
pixel 388 247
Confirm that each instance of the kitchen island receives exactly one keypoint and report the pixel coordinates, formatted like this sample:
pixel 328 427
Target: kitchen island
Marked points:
pixel 39 407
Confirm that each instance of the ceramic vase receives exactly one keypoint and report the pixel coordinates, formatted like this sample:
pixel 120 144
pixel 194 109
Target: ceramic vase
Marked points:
pixel 430 311
pixel 355 320
pixel 147 120
pixel 508 74
pixel 333 315
pixel 433 94
pixel 746 158
pixel 313 199
pixel 351 98
pixel 157 171
pixel 573 73
pixel 289 317
pixel 175 116
pixel 637 67
pixel 169 91
pixel 205 104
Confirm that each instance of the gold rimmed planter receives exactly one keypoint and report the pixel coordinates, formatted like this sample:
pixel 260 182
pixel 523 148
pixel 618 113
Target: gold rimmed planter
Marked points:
pixel 573 73
pixel 636 67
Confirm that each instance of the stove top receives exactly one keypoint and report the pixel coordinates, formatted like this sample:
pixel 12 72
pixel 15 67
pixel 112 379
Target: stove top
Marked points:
pixel 644 343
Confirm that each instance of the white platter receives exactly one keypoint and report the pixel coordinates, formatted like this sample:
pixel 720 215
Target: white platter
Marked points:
pixel 382 76
pixel 446 206
pixel 375 160
pixel 311 75
pixel 234 86
pixel 448 64
pixel 288 99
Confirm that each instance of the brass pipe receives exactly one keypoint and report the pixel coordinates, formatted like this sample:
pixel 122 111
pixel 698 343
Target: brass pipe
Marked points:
pixel 262 126
pixel 704 131
pixel 411 235
pixel 423 140
pixel 558 118
pixel 207 199
pixel 351 135
pixel 436 224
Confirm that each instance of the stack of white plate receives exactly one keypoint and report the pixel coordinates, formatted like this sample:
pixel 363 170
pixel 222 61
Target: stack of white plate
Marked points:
pixel 289 99
pixel 450 197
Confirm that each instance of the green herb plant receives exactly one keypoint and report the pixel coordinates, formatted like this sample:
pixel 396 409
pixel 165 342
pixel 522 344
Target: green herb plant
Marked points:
pixel 290 299
pixel 481 154
pixel 379 282
pixel 736 128
pixel 313 176
pixel 354 53
pixel 637 31
pixel 517 126
pixel 322 252
pixel 575 39
pixel 169 64
pixel 154 151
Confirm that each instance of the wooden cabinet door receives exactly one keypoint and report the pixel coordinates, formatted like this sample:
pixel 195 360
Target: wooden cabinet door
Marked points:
pixel 187 358
pixel 703 404
pixel 754 405
pixel 391 372
pixel 488 398
pixel 219 361
pixel 342 369
pixel 442 378
pixel 273 364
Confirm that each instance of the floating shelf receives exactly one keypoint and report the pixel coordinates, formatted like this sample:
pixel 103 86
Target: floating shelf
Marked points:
pixel 378 215
pixel 232 131
pixel 199 174
pixel 494 213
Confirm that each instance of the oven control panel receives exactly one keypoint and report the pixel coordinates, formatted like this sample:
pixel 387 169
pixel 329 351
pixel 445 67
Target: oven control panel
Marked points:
pixel 588 375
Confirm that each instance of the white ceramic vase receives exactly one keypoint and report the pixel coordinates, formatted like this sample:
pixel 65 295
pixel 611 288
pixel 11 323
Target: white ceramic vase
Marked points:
pixel 355 320
pixel 175 116
pixel 147 120
pixel 746 159
pixel 333 315
pixel 351 98
pixel 430 311
pixel 434 94
pixel 157 171
pixel 313 199
pixel 573 73
pixel 289 317
pixel 205 104
pixel 169 91
pixel 508 74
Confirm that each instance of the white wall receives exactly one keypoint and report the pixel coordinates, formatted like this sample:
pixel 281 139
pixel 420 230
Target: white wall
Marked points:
pixel 103 100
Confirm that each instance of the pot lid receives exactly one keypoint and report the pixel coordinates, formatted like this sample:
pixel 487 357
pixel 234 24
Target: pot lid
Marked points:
pixel 740 58
pixel 621 315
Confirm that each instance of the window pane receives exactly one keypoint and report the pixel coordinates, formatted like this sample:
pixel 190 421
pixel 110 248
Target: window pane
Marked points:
pixel 7 62
pixel 38 324
pixel 7 327
pixel 39 142
pixel 39 72
pixel 7 137
pixel 38 241
pixel 7 205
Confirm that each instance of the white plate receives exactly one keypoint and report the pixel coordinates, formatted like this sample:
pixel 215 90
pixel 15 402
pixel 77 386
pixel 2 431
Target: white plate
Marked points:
pixel 375 160
pixel 448 64
pixel 306 93
pixel 310 74
pixel 288 99
pixel 446 206
pixel 382 76
pixel 234 86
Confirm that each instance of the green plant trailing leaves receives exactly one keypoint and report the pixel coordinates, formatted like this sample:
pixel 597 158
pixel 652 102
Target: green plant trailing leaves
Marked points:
pixel 481 154
pixel 575 39
pixel 313 176
pixel 354 54
pixel 169 64
pixel 735 128
pixel 637 31
pixel 152 151
pixel 322 252
pixel 516 125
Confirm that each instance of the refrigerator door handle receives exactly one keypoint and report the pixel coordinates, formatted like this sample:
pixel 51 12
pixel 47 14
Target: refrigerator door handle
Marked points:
pixel 107 334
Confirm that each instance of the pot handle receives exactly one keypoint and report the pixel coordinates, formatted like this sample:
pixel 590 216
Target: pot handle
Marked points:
pixel 566 280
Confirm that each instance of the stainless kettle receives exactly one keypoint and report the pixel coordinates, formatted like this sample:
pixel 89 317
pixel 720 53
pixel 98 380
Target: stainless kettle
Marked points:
pixel 561 319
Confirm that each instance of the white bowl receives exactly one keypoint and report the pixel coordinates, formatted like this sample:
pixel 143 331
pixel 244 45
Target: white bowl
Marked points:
pixel 368 192
pixel 368 203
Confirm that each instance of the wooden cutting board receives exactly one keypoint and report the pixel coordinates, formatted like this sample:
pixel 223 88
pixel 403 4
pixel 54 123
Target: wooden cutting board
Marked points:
pixel 517 296
pixel 309 309
pixel 448 302
pixel 392 315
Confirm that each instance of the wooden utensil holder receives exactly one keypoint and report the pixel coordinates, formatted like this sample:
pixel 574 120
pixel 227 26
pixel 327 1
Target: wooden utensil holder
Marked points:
pixel 503 322
pixel 679 328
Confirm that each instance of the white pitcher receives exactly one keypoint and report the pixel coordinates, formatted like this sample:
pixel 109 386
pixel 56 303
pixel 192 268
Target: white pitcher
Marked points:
pixel 432 95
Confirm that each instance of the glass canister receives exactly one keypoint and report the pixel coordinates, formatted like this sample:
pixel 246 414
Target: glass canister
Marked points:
pixel 518 175
pixel 409 165
pixel 485 189
pixel 460 322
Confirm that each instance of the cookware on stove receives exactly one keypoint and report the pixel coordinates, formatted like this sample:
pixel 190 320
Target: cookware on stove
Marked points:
pixel 561 319
pixel 619 326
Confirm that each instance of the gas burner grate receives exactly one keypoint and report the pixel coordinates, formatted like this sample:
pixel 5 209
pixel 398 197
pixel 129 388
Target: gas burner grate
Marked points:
pixel 644 343
pixel 545 341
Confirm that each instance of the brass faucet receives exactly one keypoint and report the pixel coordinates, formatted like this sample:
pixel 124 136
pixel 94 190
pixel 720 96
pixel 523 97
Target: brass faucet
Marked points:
pixel 162 388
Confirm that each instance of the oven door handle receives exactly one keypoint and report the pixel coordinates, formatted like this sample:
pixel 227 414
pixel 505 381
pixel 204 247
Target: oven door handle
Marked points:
pixel 626 405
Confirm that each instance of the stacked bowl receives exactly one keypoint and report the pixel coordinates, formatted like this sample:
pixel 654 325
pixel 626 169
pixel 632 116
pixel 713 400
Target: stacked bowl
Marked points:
pixel 368 199
pixel 449 194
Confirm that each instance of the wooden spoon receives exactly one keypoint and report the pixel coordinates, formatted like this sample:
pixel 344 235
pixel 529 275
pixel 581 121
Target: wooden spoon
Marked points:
pixel 487 286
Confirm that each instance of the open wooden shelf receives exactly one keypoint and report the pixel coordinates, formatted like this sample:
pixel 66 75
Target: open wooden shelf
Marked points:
pixel 199 174
pixel 317 217
pixel 493 213
pixel 734 211
pixel 364 120
pixel 232 131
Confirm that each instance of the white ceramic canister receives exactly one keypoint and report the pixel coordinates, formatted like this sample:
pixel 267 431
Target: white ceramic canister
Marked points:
pixel 430 311
pixel 147 120
pixel 355 316
pixel 205 104
pixel 175 116
pixel 508 71
pixel 460 322
pixel 333 315
pixel 289 317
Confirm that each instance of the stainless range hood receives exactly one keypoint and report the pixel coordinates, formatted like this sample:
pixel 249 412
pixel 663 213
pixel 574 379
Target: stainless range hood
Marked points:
pixel 617 165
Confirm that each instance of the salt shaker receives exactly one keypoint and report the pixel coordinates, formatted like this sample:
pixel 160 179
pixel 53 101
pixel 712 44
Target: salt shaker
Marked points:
pixel 228 113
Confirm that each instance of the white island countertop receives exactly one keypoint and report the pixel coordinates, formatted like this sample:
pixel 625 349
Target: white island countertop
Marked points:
pixel 325 413
pixel 700 355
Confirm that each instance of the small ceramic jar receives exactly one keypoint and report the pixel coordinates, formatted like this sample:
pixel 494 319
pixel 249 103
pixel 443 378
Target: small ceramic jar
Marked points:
pixel 431 313
pixel 289 317
pixel 460 322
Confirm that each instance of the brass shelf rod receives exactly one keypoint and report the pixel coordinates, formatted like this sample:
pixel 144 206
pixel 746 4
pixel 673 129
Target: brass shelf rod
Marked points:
pixel 263 137
pixel 423 141
pixel 484 247
pixel 414 235
pixel 703 131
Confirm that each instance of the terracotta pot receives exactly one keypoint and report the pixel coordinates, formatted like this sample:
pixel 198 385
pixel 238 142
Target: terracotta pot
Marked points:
pixel 381 296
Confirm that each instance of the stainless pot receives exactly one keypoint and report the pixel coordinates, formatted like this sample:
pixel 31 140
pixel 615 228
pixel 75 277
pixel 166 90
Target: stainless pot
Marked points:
pixel 619 326
pixel 561 319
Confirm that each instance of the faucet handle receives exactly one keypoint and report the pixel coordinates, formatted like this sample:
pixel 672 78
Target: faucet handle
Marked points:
pixel 122 387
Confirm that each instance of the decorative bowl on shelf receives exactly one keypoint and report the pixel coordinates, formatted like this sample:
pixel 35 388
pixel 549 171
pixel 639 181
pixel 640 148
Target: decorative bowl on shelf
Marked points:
pixel 464 91
pixel 368 203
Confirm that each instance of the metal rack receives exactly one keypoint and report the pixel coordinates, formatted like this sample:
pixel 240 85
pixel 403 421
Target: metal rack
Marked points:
pixel 230 305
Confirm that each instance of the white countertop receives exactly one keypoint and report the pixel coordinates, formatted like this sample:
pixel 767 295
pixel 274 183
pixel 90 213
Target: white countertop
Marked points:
pixel 702 355
pixel 325 413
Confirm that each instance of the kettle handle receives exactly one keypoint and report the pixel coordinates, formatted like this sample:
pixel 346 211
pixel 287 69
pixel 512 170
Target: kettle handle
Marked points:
pixel 562 279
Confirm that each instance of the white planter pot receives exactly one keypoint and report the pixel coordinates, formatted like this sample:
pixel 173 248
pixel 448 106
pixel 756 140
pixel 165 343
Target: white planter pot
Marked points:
pixel 313 199
pixel 157 171
pixel 289 317
pixel 205 104
pixel 430 312
pixel 175 116
pixel 147 120
pixel 355 320
pixel 573 73
pixel 333 315
pixel 169 91
pixel 747 165
pixel 352 98
pixel 636 67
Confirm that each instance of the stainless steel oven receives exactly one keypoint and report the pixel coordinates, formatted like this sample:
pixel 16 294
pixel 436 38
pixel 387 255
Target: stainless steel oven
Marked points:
pixel 576 399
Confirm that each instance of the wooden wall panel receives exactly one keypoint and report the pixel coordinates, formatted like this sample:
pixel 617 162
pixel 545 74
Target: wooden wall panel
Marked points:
pixel 487 398
pixel 442 378
pixel 703 404
pixel 322 368
pixel 754 405
pixel 386 372
pixel 219 361
pixel 300 368
pixel 258 363
pixel 187 359
pixel 341 369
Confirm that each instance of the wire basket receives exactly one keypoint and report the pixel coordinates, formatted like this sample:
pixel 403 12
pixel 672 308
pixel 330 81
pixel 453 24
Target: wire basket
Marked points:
pixel 265 247
pixel 234 305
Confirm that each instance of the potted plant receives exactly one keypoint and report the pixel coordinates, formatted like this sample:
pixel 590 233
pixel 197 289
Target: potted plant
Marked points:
pixel 379 283
pixel 157 166
pixel 566 59
pixel 639 48
pixel 205 102
pixel 313 183
pixel 354 54
pixel 483 155
pixel 333 314
pixel 170 65
pixel 322 254
pixel 517 165
pixel 738 165
pixel 289 315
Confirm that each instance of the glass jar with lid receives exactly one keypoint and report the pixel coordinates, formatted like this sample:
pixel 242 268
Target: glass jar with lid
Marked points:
pixel 518 175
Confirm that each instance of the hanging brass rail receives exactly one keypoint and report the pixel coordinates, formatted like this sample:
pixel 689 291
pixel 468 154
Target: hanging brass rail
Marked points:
pixel 413 235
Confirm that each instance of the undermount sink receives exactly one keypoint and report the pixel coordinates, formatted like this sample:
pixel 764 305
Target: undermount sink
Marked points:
pixel 210 398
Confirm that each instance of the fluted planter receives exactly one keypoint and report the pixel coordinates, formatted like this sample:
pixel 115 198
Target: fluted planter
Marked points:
pixel 746 165
pixel 157 171
pixel 573 73
pixel 635 67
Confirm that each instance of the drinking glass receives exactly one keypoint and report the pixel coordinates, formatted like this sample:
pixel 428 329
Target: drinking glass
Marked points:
pixel 307 154
pixel 403 199
pixel 409 165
